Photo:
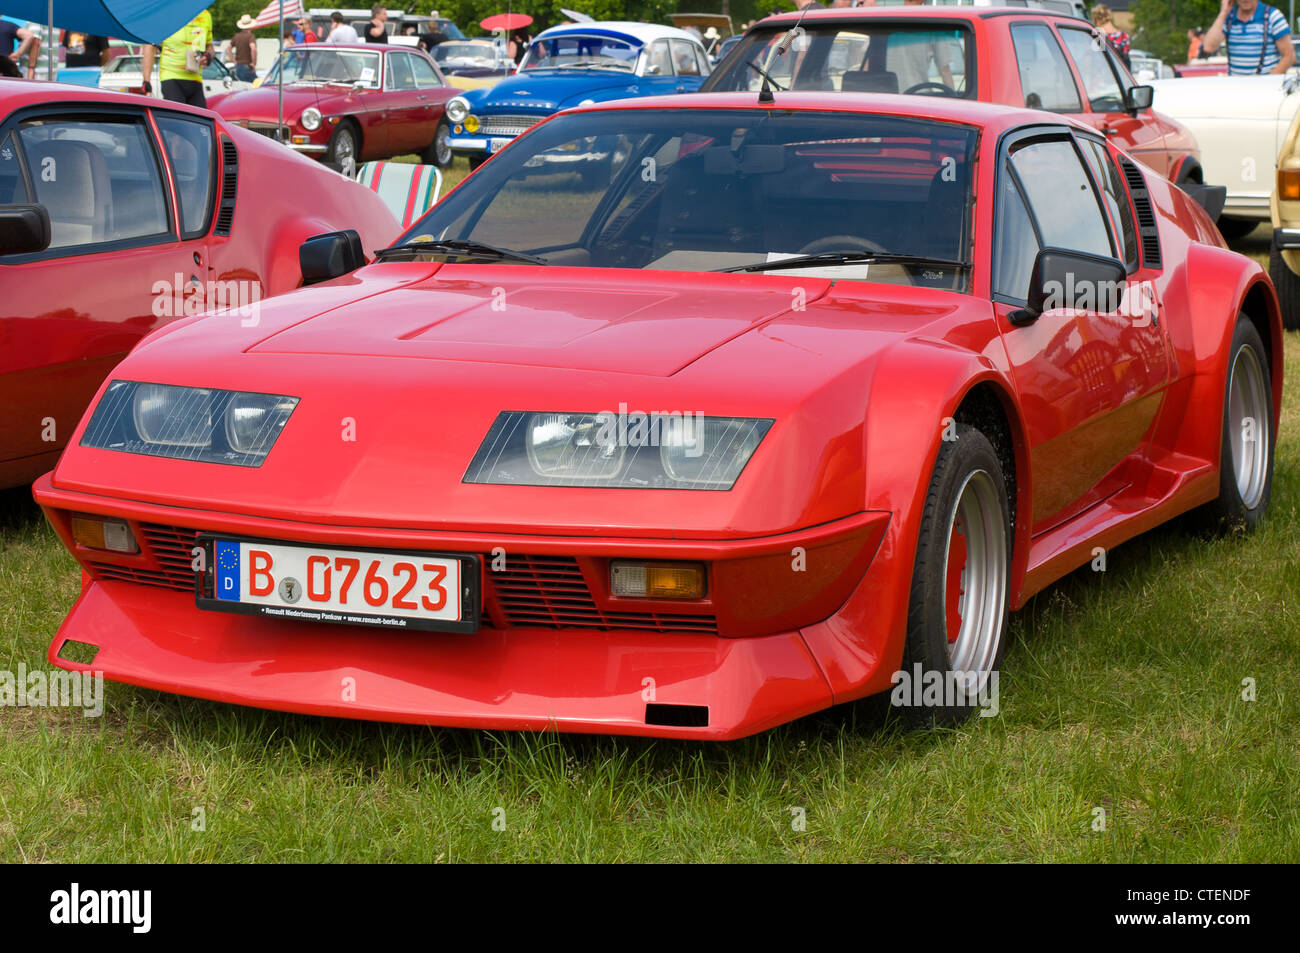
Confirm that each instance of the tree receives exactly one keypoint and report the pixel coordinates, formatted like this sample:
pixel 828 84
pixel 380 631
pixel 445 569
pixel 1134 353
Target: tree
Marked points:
pixel 1162 25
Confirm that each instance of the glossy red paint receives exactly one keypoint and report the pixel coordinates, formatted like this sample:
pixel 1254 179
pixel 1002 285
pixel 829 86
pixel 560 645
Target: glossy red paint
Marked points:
pixel 858 383
pixel 392 118
pixel 70 314
pixel 1160 142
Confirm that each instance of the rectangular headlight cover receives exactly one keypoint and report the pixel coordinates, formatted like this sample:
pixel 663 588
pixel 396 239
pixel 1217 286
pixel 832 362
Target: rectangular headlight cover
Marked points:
pixel 671 451
pixel 204 424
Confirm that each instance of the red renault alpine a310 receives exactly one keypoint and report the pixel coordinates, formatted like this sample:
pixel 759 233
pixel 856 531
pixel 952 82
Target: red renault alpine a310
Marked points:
pixel 793 396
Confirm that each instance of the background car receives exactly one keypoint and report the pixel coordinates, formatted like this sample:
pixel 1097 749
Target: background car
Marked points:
pixel 472 64
pixel 348 104
pixel 1024 58
pixel 1240 123
pixel 123 75
pixel 122 256
pixel 1284 209
pixel 574 65
pixel 799 396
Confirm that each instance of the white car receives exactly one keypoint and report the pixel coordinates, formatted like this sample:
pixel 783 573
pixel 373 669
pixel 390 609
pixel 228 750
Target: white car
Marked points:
pixel 124 75
pixel 1240 123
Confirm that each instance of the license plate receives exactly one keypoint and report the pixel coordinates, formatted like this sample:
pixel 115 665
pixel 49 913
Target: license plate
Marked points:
pixel 496 145
pixel 383 588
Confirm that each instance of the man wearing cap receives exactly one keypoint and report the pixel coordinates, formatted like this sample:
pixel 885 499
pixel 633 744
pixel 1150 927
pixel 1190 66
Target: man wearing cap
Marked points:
pixel 184 54
pixel 243 50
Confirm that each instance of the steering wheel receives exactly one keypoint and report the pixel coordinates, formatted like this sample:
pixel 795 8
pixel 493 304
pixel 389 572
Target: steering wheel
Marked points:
pixel 928 89
pixel 844 243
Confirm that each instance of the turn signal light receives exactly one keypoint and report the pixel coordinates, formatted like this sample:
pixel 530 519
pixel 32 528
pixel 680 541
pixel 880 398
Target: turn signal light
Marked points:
pixel 95 532
pixel 648 579
pixel 1288 185
pixel 471 124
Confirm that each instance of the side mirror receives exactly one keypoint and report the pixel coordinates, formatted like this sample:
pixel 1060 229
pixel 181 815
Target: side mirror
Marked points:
pixel 1071 279
pixel 24 229
pixel 1138 97
pixel 330 255
pixel 1209 197
pixel 652 69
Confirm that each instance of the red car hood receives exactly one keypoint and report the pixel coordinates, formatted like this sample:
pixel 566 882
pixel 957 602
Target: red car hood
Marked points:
pixel 562 319
pixel 263 104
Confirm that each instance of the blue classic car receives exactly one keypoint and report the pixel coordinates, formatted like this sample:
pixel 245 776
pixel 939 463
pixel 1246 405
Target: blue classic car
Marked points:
pixel 574 65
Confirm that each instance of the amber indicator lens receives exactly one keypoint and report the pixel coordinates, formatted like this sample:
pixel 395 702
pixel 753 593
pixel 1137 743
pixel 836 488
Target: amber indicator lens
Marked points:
pixel 651 579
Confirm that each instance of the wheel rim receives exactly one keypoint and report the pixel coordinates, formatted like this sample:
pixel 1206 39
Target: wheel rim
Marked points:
pixel 441 150
pixel 345 153
pixel 1249 425
pixel 976 576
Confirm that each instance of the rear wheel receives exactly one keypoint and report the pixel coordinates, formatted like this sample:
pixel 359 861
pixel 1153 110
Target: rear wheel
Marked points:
pixel 438 151
pixel 958 606
pixel 343 148
pixel 1246 451
pixel 1287 283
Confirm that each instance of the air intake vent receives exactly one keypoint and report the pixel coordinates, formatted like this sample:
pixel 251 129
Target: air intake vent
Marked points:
pixel 1146 216
pixel 229 186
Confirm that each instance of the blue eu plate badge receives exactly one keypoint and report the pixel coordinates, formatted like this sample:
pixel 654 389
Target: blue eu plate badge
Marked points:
pixel 227 574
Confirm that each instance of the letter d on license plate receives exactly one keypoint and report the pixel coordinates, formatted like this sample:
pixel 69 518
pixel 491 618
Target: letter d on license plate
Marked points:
pixel 376 587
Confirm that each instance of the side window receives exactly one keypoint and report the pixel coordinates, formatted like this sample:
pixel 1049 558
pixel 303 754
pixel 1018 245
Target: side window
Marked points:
pixel 1099 80
pixel 1061 197
pixel 189 144
pixel 13 184
pixel 1115 196
pixel 1017 241
pixel 98 179
pixel 426 77
pixel 399 72
pixel 702 61
pixel 684 59
pixel 1045 78
pixel 660 58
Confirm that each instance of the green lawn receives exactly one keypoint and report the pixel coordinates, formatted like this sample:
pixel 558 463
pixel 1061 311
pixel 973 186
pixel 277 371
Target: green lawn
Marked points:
pixel 1121 691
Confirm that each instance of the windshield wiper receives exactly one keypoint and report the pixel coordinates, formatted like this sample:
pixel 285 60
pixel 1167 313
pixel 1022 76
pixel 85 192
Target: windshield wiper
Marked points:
pixel 461 246
pixel 764 73
pixel 847 258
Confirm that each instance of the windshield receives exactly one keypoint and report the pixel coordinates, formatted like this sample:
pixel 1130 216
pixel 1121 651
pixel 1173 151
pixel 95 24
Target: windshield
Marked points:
pixel 478 54
pixel 864 57
pixel 706 190
pixel 580 50
pixel 320 65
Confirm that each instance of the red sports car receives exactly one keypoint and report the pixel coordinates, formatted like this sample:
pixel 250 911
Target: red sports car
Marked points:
pixel 794 398
pixel 999 55
pixel 349 104
pixel 119 213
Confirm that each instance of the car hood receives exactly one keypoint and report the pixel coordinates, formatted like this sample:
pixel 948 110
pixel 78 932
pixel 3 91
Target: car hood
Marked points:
pixel 263 103
pixel 549 89
pixel 1219 97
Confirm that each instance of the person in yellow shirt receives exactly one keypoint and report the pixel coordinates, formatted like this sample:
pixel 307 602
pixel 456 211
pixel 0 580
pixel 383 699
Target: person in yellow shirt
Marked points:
pixel 190 46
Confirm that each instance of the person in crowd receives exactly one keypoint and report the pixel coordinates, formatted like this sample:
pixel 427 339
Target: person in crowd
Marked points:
pixel 1257 36
pixel 377 29
pixel 1194 39
pixel 518 45
pixel 243 50
pixel 29 45
pixel 1119 41
pixel 288 40
pixel 431 39
pixel 340 31
pixel 808 5
pixel 84 49
pixel 180 68
pixel 304 33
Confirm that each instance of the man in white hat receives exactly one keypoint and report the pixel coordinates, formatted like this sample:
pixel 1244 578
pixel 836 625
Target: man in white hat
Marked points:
pixel 243 50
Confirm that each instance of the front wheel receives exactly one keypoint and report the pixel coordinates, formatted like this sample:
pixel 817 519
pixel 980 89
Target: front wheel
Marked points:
pixel 1246 450
pixel 438 152
pixel 1287 283
pixel 476 161
pixel 958 605
pixel 342 150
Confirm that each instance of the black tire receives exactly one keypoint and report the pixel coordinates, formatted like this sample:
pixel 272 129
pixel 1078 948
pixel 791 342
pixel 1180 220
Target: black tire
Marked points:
pixel 1235 228
pixel 476 161
pixel 959 463
pixel 1233 510
pixel 344 148
pixel 1287 283
pixel 438 152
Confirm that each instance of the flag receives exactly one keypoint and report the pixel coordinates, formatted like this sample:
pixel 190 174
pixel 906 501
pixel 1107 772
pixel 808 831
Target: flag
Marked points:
pixel 270 15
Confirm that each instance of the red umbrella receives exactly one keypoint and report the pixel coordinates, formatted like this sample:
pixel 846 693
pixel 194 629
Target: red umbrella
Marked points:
pixel 506 21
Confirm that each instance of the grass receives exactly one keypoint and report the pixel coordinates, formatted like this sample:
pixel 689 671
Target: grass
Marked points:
pixel 1122 691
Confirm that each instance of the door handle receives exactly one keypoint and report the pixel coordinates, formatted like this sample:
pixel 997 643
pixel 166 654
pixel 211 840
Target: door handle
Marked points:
pixel 1109 130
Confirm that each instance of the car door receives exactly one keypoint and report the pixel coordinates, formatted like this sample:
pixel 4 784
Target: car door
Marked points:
pixel 1046 81
pixel 116 267
pixel 660 76
pixel 433 93
pixel 1104 99
pixel 406 117
pixel 1090 377
pixel 689 69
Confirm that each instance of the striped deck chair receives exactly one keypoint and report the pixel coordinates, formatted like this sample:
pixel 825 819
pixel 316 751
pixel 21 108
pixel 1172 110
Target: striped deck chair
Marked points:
pixel 408 190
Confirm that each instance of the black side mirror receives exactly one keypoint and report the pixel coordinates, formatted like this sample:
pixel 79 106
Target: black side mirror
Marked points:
pixel 1209 197
pixel 1139 97
pixel 330 255
pixel 24 229
pixel 1071 279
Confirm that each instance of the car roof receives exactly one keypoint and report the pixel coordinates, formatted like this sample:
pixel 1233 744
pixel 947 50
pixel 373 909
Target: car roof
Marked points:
pixel 909 12
pixel 994 117
pixel 641 32
pixel 17 93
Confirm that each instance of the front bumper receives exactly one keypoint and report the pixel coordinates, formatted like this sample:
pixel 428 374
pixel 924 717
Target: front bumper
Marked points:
pixel 622 679
pixel 1286 239
pixel 478 145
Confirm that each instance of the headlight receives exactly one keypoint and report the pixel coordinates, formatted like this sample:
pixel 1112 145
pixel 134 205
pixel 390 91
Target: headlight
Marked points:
pixel 310 119
pixel 650 450
pixel 457 109
pixel 471 124
pixel 188 423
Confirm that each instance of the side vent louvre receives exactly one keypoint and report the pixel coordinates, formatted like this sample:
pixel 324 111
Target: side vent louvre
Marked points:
pixel 1146 216
pixel 229 186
